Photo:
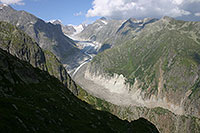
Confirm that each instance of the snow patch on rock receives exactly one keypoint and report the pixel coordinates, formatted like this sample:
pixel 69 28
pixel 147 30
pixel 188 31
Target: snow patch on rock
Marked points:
pixel 103 21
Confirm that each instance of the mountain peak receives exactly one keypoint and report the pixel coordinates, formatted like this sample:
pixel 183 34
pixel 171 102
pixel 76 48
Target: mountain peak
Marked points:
pixel 103 18
pixel 57 21
pixel 4 6
pixel 134 20
pixel 167 18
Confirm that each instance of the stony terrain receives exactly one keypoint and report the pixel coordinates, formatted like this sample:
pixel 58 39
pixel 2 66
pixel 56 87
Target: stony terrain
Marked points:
pixel 166 121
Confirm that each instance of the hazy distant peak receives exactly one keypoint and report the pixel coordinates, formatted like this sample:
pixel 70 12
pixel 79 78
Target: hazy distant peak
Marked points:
pixel 134 20
pixel 167 18
pixel 103 18
pixel 149 19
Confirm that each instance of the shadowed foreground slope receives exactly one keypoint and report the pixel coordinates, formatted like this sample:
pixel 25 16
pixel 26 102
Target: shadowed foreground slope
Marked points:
pixel 32 100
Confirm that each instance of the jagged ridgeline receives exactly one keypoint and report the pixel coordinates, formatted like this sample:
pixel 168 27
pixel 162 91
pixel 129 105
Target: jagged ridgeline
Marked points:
pixel 110 32
pixel 33 101
pixel 19 44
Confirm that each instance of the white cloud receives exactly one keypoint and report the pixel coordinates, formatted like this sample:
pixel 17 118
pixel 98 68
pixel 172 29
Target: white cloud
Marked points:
pixel 197 14
pixel 121 9
pixel 78 14
pixel 9 2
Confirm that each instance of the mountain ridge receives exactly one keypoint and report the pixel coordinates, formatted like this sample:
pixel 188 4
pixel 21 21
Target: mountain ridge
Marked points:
pixel 19 44
pixel 110 33
pixel 159 67
pixel 47 35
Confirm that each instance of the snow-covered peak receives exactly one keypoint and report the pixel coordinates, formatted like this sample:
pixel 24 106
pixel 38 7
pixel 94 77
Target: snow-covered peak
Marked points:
pixel 79 28
pixel 103 18
pixel 3 5
pixel 58 21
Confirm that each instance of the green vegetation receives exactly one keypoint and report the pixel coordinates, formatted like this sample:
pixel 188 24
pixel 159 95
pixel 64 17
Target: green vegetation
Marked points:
pixel 161 111
pixel 165 53
pixel 97 103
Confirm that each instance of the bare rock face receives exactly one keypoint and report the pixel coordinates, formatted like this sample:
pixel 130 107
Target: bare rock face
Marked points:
pixel 101 31
pixel 19 44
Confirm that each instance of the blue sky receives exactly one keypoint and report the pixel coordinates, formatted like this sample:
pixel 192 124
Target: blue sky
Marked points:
pixel 68 11
pixel 79 11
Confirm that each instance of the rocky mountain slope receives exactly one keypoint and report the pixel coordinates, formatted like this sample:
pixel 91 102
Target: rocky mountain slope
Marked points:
pixel 157 68
pixel 33 101
pixel 101 30
pixel 47 35
pixel 19 44
pixel 162 62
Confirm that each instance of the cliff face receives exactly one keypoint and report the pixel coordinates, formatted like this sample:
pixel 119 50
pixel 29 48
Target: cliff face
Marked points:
pixel 19 44
pixel 157 68
pixel 47 35
pixel 33 101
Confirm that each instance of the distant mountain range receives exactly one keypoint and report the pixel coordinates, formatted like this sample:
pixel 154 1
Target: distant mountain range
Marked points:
pixel 69 30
